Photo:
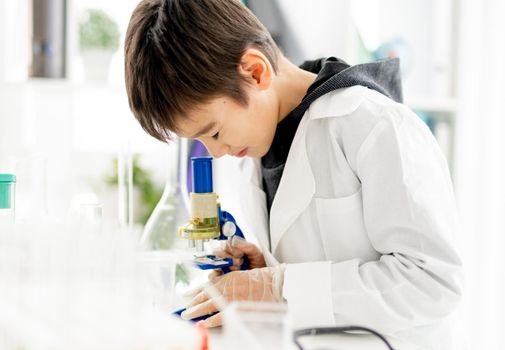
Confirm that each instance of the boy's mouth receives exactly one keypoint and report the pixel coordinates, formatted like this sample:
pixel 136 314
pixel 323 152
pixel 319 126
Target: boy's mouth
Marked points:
pixel 241 153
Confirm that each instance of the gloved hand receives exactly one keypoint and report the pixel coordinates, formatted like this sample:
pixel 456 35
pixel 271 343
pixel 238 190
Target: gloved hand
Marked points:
pixel 235 248
pixel 260 284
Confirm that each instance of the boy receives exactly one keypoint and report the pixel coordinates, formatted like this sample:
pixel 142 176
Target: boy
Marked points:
pixel 358 194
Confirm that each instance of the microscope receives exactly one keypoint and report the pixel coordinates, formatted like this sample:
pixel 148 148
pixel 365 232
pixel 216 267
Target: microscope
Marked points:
pixel 207 221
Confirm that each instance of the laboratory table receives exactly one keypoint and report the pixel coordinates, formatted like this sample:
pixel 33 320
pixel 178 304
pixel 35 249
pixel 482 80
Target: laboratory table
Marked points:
pixel 326 342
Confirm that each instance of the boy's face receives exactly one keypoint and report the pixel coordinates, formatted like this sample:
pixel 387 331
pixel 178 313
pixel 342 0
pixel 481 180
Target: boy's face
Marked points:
pixel 226 127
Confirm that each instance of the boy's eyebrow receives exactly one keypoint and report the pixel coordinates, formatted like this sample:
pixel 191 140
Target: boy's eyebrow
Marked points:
pixel 204 130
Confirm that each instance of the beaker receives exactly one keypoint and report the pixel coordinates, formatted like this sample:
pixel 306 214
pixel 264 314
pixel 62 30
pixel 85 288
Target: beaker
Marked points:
pixel 91 216
pixel 31 186
pixel 158 278
pixel 257 325
pixel 7 198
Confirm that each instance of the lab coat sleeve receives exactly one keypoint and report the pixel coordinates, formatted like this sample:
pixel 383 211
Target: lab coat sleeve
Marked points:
pixel 409 214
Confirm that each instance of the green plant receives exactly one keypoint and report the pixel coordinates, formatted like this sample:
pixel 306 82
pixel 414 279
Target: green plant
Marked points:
pixel 150 194
pixel 98 31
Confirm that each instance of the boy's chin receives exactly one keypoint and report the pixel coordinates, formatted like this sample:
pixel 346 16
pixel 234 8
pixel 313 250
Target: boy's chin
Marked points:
pixel 256 155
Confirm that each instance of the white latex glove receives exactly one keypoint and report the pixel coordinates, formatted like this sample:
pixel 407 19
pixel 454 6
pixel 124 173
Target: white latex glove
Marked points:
pixel 261 284
pixel 236 248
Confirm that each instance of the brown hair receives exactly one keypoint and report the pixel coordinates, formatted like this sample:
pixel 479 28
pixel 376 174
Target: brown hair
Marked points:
pixel 181 53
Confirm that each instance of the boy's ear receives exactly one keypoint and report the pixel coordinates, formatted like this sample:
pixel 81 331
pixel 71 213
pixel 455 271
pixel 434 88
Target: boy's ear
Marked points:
pixel 257 68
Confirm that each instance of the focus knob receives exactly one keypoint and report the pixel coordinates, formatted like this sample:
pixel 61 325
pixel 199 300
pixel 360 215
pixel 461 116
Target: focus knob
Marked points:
pixel 229 229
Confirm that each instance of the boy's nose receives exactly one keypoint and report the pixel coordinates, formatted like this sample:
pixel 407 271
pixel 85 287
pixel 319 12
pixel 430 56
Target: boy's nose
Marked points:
pixel 216 149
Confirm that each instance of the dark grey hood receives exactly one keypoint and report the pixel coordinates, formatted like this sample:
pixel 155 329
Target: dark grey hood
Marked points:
pixel 333 73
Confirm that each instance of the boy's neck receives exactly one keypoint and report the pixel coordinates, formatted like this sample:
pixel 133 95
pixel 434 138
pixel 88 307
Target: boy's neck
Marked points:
pixel 291 84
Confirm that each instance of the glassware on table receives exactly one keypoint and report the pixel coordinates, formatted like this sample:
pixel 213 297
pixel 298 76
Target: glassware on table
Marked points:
pixel 31 186
pixel 161 228
pixel 7 198
pixel 257 325
pixel 125 186
pixel 157 273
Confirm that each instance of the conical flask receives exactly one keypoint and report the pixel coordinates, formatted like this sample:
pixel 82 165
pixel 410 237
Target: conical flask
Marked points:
pixel 160 231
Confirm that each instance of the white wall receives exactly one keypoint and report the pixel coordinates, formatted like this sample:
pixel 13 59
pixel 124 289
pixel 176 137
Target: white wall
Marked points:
pixel 77 126
pixel 15 28
pixel 480 167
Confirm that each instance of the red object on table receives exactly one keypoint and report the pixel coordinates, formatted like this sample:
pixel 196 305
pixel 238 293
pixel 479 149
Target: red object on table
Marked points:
pixel 202 330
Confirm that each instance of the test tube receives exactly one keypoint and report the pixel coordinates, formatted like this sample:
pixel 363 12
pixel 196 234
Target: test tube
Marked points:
pixel 125 186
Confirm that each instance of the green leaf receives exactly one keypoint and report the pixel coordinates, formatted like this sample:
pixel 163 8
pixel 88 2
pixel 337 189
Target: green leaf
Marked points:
pixel 98 31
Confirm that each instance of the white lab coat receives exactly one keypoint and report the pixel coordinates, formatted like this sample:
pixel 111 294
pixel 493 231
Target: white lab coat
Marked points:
pixel 364 217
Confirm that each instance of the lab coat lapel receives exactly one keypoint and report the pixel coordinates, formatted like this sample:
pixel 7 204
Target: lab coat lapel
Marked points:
pixel 253 204
pixel 296 187
pixel 238 182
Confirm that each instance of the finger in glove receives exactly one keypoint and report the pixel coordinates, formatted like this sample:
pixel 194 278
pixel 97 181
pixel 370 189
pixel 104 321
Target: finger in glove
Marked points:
pixel 214 321
pixel 206 308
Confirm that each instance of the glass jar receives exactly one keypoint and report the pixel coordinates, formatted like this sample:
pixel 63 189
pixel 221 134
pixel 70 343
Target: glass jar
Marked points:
pixel 7 198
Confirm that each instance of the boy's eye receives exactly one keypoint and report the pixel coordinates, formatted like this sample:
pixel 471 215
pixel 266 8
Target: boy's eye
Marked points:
pixel 215 136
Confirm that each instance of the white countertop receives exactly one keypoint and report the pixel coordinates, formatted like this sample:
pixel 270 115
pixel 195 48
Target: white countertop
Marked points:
pixel 327 342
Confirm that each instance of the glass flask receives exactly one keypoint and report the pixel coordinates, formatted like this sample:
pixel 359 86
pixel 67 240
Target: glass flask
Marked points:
pixel 161 228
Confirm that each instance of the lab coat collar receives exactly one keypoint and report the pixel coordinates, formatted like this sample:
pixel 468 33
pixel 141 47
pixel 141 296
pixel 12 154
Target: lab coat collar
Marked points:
pixel 339 103
pixel 297 185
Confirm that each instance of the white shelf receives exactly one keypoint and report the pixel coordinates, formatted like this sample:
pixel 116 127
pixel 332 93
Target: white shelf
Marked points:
pixel 62 84
pixel 447 105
